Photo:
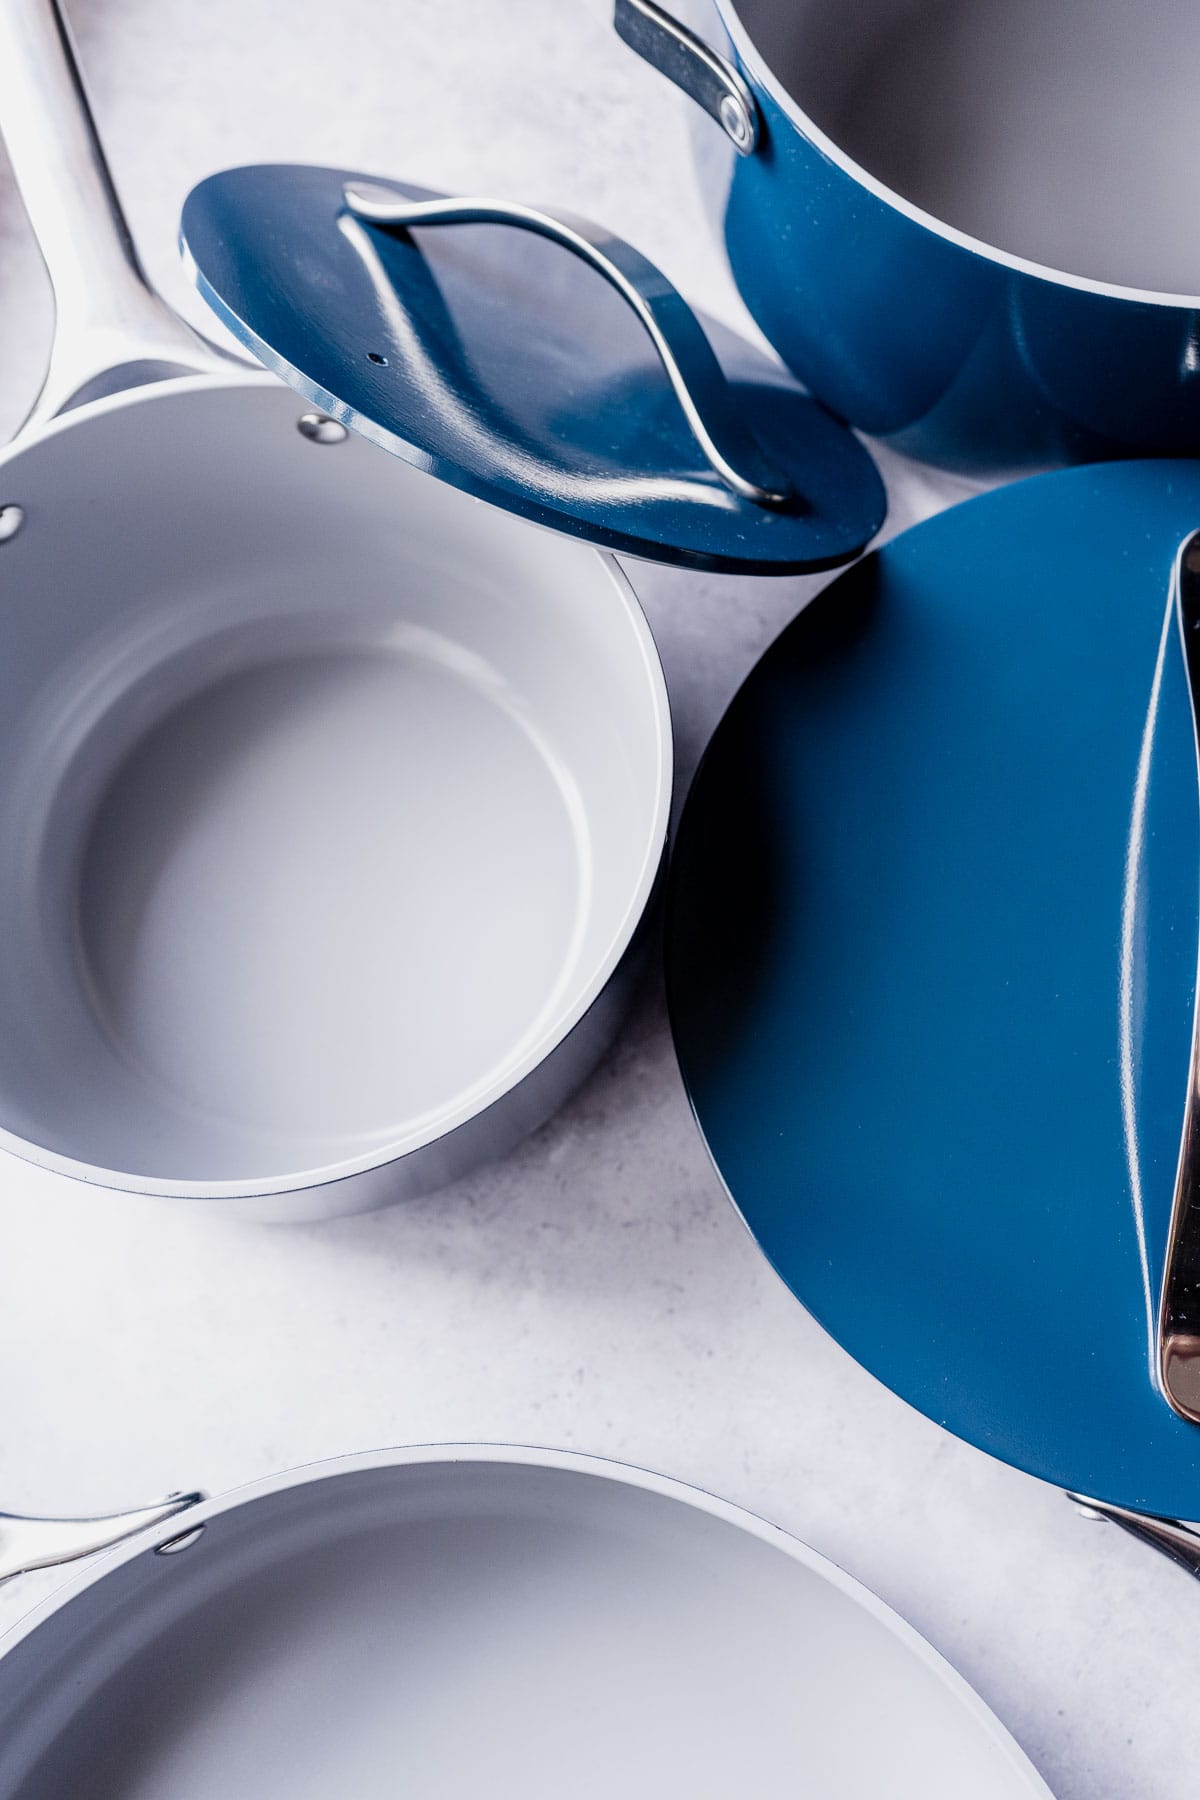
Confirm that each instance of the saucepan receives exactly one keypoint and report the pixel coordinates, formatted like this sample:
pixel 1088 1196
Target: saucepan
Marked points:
pixel 333 801
pixel 967 226
pixel 466 1620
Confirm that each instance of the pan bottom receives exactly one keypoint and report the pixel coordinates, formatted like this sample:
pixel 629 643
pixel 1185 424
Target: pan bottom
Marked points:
pixel 328 895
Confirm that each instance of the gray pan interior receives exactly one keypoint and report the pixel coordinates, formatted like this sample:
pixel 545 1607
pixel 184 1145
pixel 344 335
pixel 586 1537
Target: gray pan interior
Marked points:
pixel 459 1628
pixel 1061 131
pixel 330 798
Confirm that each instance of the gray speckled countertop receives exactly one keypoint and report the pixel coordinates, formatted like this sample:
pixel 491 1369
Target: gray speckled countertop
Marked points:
pixel 595 1290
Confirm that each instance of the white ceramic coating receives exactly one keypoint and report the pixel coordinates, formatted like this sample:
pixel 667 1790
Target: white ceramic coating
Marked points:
pixel 470 1622
pixel 1060 131
pixel 330 797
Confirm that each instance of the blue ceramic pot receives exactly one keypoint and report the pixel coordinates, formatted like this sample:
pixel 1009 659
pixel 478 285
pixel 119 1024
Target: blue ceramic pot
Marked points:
pixel 909 328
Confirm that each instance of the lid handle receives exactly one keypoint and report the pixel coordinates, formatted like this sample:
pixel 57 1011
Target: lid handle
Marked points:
pixel 1179 1310
pixel 729 447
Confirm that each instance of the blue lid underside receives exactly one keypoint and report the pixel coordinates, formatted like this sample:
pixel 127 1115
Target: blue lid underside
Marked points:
pixel 933 1011
pixel 513 371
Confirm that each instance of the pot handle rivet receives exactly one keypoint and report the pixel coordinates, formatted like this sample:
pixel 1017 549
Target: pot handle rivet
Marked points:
pixel 319 428
pixel 710 79
pixel 183 1541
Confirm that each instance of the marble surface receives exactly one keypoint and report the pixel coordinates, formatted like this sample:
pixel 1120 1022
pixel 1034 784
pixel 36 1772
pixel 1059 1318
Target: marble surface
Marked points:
pixel 596 1289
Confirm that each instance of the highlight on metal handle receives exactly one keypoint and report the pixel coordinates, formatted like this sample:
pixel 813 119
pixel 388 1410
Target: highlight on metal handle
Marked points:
pixel 686 354
pixel 111 330
pixel 1179 1310
pixel 1174 1539
pixel 27 1544
pixel 710 79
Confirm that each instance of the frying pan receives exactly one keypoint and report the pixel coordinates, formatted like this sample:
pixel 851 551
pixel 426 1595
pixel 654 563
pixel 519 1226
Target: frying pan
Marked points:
pixel 481 1620
pixel 332 800
pixel 932 951
pixel 965 225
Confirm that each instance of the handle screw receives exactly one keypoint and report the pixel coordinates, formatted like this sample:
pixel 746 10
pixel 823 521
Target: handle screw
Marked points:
pixel 733 118
pixel 318 428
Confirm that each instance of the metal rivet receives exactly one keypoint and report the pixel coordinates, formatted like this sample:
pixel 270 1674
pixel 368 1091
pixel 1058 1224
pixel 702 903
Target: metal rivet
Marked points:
pixel 11 520
pixel 735 121
pixel 319 428
pixel 181 1542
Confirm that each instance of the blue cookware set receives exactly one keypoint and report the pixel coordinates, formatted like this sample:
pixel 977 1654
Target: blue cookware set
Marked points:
pixel 932 915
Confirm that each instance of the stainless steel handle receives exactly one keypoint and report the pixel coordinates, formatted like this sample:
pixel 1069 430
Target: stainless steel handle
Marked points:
pixel 710 79
pixel 1178 1541
pixel 1179 1310
pixel 686 354
pixel 111 330
pixel 27 1544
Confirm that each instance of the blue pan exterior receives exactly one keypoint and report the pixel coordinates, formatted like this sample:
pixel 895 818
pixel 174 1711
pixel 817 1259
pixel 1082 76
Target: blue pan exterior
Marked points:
pixel 931 959
pixel 946 351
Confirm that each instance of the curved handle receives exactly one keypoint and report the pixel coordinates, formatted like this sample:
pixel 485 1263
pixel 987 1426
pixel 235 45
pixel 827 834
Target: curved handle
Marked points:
pixel 685 352
pixel 1174 1539
pixel 1179 1309
pixel 27 1544
pixel 710 79
pixel 111 330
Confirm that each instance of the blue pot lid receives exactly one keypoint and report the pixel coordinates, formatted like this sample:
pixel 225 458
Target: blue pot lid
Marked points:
pixel 509 367
pixel 932 951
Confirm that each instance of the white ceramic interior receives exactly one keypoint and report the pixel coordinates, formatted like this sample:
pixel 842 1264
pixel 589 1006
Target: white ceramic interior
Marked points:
pixel 1060 131
pixel 328 796
pixel 514 1625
